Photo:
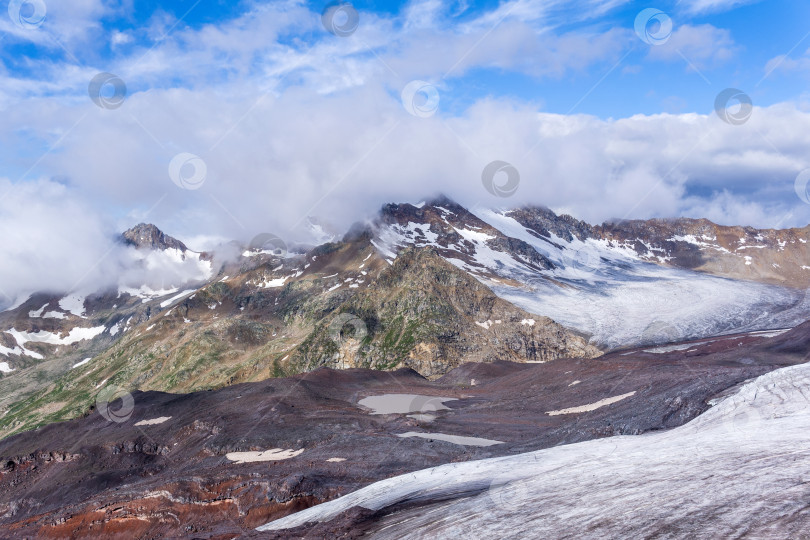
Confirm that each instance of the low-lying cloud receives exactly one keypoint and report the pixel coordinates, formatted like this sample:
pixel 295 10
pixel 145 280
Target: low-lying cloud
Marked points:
pixel 288 130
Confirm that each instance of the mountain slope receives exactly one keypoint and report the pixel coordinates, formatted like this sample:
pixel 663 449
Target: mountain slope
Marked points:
pixel 565 269
pixel 425 314
pixel 412 290
pixel 206 457
pixel 276 317
pixel 732 472
pixel 780 257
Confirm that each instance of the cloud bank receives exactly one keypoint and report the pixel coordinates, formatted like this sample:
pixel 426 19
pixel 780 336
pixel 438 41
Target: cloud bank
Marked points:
pixel 290 126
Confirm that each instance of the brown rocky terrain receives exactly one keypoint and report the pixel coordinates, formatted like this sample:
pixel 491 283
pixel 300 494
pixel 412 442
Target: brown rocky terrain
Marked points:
pixel 781 257
pixel 175 465
pixel 776 256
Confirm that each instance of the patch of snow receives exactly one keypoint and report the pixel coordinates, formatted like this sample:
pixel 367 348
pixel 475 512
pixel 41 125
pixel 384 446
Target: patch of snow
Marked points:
pixel 769 333
pixel 574 383
pixel 79 364
pixel 704 241
pixel 114 329
pixel 273 283
pixel 173 299
pixel 73 303
pixel 74 336
pixel 146 293
pixel 276 454
pixel 473 236
pixel 38 313
pixel 672 348
pixel 5 351
pixel 528 322
pixel 336 460
pixel 455 439
pixel 592 406
pixel 153 421
pixel 54 315
pixel 5 368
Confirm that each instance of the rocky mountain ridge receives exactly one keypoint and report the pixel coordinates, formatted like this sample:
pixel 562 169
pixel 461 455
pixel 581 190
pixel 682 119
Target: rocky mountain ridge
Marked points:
pixel 340 305
pixel 412 289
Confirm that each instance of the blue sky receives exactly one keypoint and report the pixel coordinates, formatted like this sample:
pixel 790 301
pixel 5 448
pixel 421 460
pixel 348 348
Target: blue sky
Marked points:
pixel 279 119
pixel 754 33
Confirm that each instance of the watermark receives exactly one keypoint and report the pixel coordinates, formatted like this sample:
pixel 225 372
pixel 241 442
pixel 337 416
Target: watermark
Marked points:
pixel 27 14
pixel 337 325
pixel 743 422
pixel 269 243
pixel 425 408
pixel 110 396
pixel 802 186
pixel 506 491
pixel 659 332
pixel 188 171
pixel 107 91
pixel 653 26
pixel 733 106
pixel 503 189
pixel 420 99
pixel 340 18
pixel 586 257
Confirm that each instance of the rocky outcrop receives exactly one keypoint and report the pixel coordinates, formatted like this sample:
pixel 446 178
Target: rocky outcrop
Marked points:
pixel 426 314
pixel 780 257
pixel 148 236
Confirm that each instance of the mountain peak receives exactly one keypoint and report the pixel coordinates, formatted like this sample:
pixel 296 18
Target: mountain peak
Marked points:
pixel 148 236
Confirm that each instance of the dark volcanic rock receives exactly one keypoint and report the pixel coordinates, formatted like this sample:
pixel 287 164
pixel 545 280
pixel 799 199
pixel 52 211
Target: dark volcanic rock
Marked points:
pixel 172 477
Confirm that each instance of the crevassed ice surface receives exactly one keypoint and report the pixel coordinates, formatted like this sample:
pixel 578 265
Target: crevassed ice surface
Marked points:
pixel 620 300
pixel 740 469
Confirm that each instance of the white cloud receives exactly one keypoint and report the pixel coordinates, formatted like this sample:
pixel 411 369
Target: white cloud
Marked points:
pixel 341 156
pixel 54 241
pixel 289 130
pixel 784 63
pixel 700 46
pixel 712 6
